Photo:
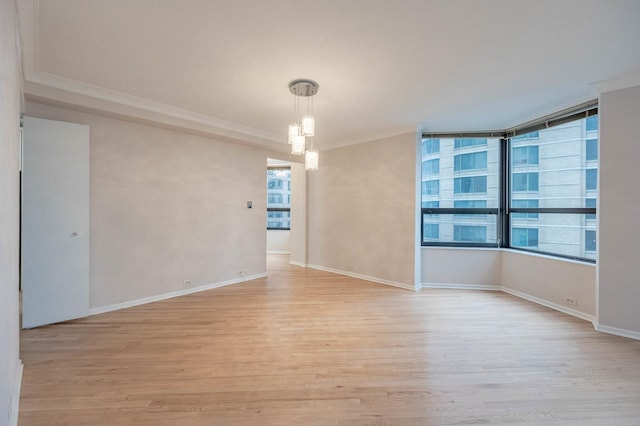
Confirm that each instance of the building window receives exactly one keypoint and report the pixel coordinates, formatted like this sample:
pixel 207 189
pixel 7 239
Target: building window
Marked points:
pixel 473 234
pixel 592 149
pixel 525 181
pixel 466 142
pixel 524 155
pixel 430 146
pixel 591 178
pixel 430 187
pixel 524 237
pixel 279 198
pixel 591 123
pixel 468 185
pixel 590 240
pixel 431 231
pixel 431 167
pixel 472 161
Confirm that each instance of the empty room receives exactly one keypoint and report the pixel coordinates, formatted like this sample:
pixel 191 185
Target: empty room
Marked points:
pixel 360 212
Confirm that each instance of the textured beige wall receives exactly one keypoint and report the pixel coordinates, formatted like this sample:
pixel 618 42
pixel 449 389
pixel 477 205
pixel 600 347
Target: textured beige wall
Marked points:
pixel 298 235
pixel 461 266
pixel 168 207
pixel 10 84
pixel 362 210
pixel 619 204
pixel 551 279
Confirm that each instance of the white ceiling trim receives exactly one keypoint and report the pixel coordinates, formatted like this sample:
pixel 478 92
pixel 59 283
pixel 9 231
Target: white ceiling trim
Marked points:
pixel 101 99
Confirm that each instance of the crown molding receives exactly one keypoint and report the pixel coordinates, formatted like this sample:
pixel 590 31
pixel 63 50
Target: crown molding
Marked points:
pixel 41 86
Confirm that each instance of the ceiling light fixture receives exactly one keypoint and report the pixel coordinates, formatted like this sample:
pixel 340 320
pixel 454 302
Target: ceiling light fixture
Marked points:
pixel 303 126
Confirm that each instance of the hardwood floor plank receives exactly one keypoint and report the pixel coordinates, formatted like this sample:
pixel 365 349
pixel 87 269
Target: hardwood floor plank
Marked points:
pixel 306 347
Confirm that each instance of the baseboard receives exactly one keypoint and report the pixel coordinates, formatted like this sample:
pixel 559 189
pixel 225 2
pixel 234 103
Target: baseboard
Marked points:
pixel 300 264
pixel 145 300
pixel 461 286
pixel 15 396
pixel 364 277
pixel 277 252
pixel 555 306
pixel 616 331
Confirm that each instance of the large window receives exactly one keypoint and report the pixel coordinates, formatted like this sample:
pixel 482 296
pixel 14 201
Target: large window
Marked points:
pixel 463 207
pixel 532 188
pixel 278 198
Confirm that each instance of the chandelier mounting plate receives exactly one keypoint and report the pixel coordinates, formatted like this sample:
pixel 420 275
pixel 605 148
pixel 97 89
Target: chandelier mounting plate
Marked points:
pixel 303 87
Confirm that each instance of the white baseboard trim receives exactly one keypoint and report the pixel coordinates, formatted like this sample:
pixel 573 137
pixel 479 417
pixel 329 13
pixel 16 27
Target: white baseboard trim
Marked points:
pixel 364 277
pixel 277 252
pixel 300 264
pixel 15 396
pixel 616 331
pixel 555 306
pixel 145 300
pixel 461 286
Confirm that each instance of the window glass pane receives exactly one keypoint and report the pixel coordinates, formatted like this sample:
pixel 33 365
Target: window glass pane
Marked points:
pixel 471 174
pixel 466 142
pixel 524 237
pixel 523 155
pixel 431 167
pixel 279 188
pixel 592 149
pixel 430 146
pixel 559 233
pixel 590 240
pixel 462 228
pixel 431 231
pixel 472 161
pixel 552 163
pixel 278 220
pixel 591 178
pixel 469 185
pixel 430 187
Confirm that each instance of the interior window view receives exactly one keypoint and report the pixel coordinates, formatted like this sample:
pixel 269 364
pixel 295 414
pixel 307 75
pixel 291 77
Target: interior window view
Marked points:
pixel 550 191
pixel 329 213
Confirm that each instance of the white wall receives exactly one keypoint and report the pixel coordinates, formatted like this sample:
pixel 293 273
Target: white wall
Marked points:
pixel 543 279
pixel 461 267
pixel 619 204
pixel 550 281
pixel 278 241
pixel 298 234
pixel 362 210
pixel 167 207
pixel 10 86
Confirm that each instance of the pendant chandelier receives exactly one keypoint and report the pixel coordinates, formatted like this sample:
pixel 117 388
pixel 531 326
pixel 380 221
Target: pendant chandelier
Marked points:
pixel 303 126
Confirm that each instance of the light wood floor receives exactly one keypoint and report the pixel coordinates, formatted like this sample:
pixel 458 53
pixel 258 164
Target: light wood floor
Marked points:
pixel 304 347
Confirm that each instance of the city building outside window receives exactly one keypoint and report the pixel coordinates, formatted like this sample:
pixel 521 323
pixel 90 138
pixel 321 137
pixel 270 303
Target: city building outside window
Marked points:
pixel 532 188
pixel 279 198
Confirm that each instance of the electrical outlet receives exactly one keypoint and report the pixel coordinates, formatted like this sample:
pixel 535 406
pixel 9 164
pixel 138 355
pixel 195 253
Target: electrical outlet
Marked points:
pixel 571 301
pixel 186 283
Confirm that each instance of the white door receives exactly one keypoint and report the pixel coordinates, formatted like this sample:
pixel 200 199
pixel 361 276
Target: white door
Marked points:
pixel 55 222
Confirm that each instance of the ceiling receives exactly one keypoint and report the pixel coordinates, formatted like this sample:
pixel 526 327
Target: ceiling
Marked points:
pixel 222 67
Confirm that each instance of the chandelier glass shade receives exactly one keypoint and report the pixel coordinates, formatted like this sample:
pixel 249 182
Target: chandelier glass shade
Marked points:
pixel 303 126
